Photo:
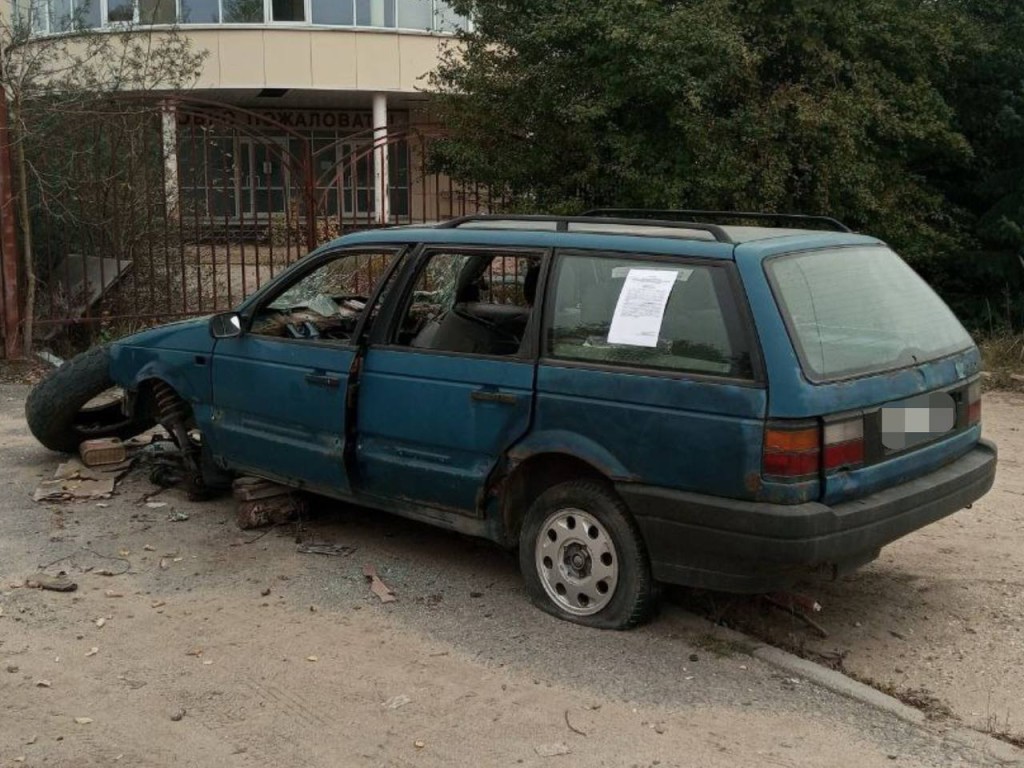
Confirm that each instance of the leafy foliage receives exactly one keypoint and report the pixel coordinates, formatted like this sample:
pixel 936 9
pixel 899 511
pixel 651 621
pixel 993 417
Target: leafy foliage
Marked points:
pixel 900 117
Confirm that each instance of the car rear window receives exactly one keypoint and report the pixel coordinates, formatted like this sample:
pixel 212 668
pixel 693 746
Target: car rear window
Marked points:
pixel 652 314
pixel 855 311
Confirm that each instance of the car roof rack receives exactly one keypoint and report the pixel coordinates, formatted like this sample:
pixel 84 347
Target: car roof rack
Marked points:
pixel 563 223
pixel 668 214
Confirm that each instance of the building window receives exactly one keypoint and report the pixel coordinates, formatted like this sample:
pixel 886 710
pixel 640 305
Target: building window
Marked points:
pixel 335 12
pixel 56 16
pixel 446 19
pixel 88 14
pixel 61 19
pixel 44 17
pixel 375 13
pixel 243 11
pixel 416 14
pixel 157 11
pixel 288 10
pixel 200 11
pixel 240 177
pixel 120 11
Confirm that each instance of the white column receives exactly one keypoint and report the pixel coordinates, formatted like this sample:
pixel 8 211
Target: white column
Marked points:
pixel 169 136
pixel 381 178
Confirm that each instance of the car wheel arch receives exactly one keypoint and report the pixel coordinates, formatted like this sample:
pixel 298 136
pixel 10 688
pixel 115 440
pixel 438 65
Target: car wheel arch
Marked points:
pixel 156 370
pixel 528 478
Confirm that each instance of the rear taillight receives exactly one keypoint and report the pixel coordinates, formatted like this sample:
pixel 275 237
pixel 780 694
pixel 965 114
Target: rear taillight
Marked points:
pixel 791 452
pixel 844 444
pixel 974 404
pixel 800 452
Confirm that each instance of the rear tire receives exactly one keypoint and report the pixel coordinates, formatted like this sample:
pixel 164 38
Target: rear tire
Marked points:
pixel 583 558
pixel 58 410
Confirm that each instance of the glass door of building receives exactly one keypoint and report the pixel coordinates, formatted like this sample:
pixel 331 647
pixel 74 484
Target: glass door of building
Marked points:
pixel 357 181
pixel 263 177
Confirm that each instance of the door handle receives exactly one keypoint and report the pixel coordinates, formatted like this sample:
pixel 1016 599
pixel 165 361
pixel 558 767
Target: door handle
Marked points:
pixel 493 396
pixel 316 380
pixel 409 453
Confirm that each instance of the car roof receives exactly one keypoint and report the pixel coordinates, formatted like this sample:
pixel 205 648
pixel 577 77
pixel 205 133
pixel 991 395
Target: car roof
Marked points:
pixel 656 238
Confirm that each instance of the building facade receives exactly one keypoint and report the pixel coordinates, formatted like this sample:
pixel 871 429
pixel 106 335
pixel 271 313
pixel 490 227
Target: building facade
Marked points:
pixel 322 95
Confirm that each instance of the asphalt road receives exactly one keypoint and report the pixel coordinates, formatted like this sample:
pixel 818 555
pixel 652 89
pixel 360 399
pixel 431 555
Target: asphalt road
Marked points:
pixel 221 647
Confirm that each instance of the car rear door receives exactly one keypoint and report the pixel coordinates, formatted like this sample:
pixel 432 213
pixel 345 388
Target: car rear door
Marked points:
pixel 448 387
pixel 649 370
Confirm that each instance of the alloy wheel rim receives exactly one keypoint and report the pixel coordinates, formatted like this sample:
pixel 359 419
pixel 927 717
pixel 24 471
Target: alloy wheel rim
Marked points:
pixel 577 562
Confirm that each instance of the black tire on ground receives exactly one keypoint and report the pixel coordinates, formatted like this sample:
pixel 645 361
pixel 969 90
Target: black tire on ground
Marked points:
pixel 634 596
pixel 56 412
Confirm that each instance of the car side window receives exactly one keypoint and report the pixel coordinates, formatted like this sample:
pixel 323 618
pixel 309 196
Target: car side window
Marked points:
pixel 327 303
pixel 648 314
pixel 471 302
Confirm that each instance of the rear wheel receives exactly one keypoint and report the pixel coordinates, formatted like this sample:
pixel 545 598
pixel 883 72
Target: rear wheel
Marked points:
pixel 583 558
pixel 79 402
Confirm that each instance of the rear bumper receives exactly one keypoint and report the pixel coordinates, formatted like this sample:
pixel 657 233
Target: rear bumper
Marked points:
pixel 739 546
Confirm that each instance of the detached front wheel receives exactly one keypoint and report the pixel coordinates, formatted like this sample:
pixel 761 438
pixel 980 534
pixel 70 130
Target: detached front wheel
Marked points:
pixel 79 402
pixel 583 558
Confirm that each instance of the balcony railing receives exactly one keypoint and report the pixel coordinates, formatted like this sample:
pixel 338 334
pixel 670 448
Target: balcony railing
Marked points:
pixel 48 17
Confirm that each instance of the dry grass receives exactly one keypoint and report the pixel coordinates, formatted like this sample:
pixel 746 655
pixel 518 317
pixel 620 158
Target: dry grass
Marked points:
pixel 1003 360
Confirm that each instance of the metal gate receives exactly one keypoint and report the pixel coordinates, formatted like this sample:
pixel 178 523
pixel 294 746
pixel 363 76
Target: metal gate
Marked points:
pixel 201 204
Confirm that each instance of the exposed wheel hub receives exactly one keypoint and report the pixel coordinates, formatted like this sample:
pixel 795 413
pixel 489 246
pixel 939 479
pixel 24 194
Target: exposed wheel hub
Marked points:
pixel 577 561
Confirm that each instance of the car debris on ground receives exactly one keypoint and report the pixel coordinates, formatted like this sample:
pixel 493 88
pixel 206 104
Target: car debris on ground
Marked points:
pixel 74 481
pixel 103 451
pixel 262 502
pixel 321 548
pixel 59 583
pixel 378 587
pixel 397 702
pixel 100 466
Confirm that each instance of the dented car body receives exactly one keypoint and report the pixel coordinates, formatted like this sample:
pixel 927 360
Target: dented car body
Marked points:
pixel 706 405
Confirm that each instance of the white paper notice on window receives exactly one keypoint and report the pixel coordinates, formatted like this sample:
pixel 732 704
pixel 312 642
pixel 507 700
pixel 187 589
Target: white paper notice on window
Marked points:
pixel 641 307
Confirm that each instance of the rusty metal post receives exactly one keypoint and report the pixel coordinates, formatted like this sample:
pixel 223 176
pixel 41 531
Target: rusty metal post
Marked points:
pixel 8 240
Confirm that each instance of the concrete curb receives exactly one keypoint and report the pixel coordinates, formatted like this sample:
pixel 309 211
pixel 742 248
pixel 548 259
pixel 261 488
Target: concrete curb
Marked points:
pixel 840 684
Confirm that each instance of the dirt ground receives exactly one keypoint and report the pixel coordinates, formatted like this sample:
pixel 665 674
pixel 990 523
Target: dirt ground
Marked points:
pixel 212 646
pixel 939 617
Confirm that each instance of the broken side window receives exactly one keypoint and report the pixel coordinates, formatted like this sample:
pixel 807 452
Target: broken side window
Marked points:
pixel 478 303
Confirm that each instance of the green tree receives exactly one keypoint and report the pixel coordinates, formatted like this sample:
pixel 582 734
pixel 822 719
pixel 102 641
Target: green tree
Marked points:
pixel 774 105
pixel 988 94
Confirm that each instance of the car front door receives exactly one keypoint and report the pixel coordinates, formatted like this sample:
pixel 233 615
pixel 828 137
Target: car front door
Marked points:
pixel 449 386
pixel 280 388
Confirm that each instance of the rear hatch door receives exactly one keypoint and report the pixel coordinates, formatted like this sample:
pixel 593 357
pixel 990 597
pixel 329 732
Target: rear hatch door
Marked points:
pixel 864 346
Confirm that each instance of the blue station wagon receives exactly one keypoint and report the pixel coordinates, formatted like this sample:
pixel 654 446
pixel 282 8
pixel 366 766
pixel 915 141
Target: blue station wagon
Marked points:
pixel 625 397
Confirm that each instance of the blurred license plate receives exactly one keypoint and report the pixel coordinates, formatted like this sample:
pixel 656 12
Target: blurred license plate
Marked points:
pixel 917 420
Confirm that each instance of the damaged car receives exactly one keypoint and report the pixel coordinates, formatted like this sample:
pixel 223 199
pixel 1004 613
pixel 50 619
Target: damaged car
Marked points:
pixel 627 398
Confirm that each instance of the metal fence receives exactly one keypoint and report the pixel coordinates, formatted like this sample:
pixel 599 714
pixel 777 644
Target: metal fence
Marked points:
pixel 199 204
